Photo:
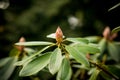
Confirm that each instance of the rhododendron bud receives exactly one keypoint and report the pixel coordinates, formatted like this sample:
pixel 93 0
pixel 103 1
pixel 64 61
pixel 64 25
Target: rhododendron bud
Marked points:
pixel 106 33
pixel 59 35
pixel 22 39
pixel 20 48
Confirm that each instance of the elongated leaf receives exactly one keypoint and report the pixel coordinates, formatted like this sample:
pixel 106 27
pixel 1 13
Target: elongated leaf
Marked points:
pixel 4 61
pixel 115 30
pixel 7 69
pixel 35 65
pixel 87 49
pixel 114 51
pixel 103 45
pixel 15 74
pixel 77 55
pixel 95 74
pixel 115 6
pixel 55 61
pixel 31 57
pixel 65 71
pixel 33 43
pixel 52 35
pixel 78 40
pixel 29 50
pixel 93 38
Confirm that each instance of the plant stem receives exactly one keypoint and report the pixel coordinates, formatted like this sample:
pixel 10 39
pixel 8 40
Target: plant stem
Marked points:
pixel 103 69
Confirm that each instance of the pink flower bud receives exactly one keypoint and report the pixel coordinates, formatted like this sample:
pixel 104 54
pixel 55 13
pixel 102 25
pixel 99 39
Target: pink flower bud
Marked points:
pixel 22 39
pixel 59 35
pixel 106 33
pixel 20 48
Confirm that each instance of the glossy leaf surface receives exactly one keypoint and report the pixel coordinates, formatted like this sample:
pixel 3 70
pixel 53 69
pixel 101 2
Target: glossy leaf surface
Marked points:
pixel 35 65
pixel 77 55
pixel 93 38
pixel 55 61
pixel 33 43
pixel 95 74
pixel 87 49
pixel 78 40
pixel 7 69
pixel 113 51
pixel 65 71
pixel 103 45
pixel 31 57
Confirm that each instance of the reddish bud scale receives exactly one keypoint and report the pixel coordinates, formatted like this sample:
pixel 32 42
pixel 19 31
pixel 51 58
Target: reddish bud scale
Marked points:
pixel 22 39
pixel 106 33
pixel 59 35
pixel 20 48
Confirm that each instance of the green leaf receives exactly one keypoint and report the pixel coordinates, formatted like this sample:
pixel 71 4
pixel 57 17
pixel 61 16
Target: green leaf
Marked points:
pixel 77 55
pixel 103 45
pixel 35 65
pixel 78 40
pixel 52 35
pixel 65 71
pixel 115 30
pixel 114 51
pixel 93 38
pixel 33 43
pixel 31 57
pixel 8 68
pixel 55 61
pixel 87 49
pixel 3 61
pixel 15 74
pixel 14 52
pixel 115 6
pixel 95 74
pixel 30 51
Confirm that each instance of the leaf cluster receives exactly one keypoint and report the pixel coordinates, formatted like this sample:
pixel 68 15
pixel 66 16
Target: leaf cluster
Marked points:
pixel 71 58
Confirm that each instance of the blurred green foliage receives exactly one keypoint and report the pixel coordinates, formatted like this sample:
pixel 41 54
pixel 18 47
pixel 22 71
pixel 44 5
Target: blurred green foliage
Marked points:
pixel 34 19
pixel 66 59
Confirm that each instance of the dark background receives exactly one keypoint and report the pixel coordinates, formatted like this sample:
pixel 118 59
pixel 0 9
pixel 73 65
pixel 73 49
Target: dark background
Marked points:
pixel 34 19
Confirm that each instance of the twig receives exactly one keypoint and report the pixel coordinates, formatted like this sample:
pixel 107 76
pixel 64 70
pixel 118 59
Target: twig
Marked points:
pixel 103 69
